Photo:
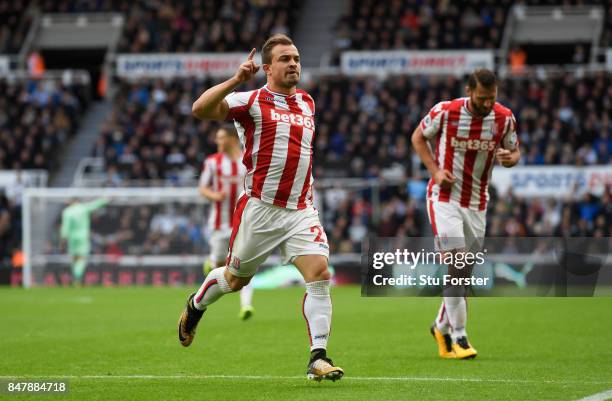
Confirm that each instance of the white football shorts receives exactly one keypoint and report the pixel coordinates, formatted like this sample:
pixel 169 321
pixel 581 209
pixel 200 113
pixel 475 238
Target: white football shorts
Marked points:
pixel 456 227
pixel 258 228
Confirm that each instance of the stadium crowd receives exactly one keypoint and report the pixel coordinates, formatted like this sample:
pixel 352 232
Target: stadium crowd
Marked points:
pixel 15 24
pixel 419 25
pixel 205 26
pixel 436 24
pixel 36 119
pixel 151 134
pixel 559 120
pixel 176 26
pixel 349 217
pixel 363 125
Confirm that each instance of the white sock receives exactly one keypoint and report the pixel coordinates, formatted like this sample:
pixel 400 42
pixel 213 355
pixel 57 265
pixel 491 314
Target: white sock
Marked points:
pixel 456 309
pixel 246 296
pixel 442 320
pixel 213 287
pixel 317 310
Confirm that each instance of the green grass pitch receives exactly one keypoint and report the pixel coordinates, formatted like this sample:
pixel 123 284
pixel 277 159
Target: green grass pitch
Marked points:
pixel 121 343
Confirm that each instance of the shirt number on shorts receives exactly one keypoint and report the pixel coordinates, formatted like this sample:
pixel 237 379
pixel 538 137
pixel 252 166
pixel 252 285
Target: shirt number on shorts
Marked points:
pixel 320 236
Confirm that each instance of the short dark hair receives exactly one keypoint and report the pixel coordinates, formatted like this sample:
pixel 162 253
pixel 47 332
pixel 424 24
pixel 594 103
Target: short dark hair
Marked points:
pixel 274 40
pixel 482 76
pixel 230 130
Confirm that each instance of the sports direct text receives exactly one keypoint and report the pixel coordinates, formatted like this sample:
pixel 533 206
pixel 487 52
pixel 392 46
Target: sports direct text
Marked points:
pixel 413 259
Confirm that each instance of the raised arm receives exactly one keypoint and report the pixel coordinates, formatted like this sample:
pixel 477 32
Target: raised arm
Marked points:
pixel 211 104
pixel 96 204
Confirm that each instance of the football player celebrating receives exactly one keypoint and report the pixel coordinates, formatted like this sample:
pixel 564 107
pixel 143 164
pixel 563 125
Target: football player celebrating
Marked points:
pixel 276 125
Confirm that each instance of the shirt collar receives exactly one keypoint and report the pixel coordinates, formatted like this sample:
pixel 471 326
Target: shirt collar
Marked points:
pixel 467 110
pixel 267 88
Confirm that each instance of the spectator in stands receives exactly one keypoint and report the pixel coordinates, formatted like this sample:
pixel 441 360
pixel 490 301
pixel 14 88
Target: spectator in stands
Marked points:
pixel 5 227
pixel 517 58
pixel 36 64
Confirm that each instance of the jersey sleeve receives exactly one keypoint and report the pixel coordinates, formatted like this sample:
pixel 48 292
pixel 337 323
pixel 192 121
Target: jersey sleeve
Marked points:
pixel 238 103
pixel 94 205
pixel 510 139
pixel 207 174
pixel 431 123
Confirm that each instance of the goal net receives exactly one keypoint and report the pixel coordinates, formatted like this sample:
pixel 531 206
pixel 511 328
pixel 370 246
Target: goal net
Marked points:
pixel 132 236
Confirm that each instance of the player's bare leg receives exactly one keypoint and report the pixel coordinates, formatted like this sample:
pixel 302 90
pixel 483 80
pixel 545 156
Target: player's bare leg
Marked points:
pixel 218 283
pixel 317 310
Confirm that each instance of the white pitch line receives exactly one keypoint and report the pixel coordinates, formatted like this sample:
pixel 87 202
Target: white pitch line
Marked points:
pixel 352 378
pixel 604 395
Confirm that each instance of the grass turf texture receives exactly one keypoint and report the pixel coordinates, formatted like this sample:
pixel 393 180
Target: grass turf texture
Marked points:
pixel 529 348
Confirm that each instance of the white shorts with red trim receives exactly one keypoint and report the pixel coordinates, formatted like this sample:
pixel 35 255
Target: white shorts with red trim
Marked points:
pixel 456 227
pixel 259 228
pixel 219 245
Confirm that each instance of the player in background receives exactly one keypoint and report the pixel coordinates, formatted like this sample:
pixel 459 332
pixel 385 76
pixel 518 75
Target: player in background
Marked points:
pixel 75 232
pixel 221 183
pixel 467 134
pixel 276 125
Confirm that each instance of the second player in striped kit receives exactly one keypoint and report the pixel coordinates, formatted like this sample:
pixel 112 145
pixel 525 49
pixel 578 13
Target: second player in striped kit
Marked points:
pixel 221 183
pixel 467 135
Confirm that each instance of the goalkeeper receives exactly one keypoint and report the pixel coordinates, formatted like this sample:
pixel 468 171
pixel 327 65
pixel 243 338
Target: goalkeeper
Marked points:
pixel 75 232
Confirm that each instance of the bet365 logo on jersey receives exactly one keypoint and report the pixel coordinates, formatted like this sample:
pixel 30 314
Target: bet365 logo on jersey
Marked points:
pixel 472 144
pixel 291 118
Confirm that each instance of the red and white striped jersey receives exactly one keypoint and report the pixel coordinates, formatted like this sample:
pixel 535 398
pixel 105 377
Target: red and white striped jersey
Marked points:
pixel 221 173
pixel 277 132
pixel 465 145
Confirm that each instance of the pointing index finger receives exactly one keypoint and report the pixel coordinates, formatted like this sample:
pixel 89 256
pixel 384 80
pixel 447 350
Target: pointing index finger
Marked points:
pixel 251 54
